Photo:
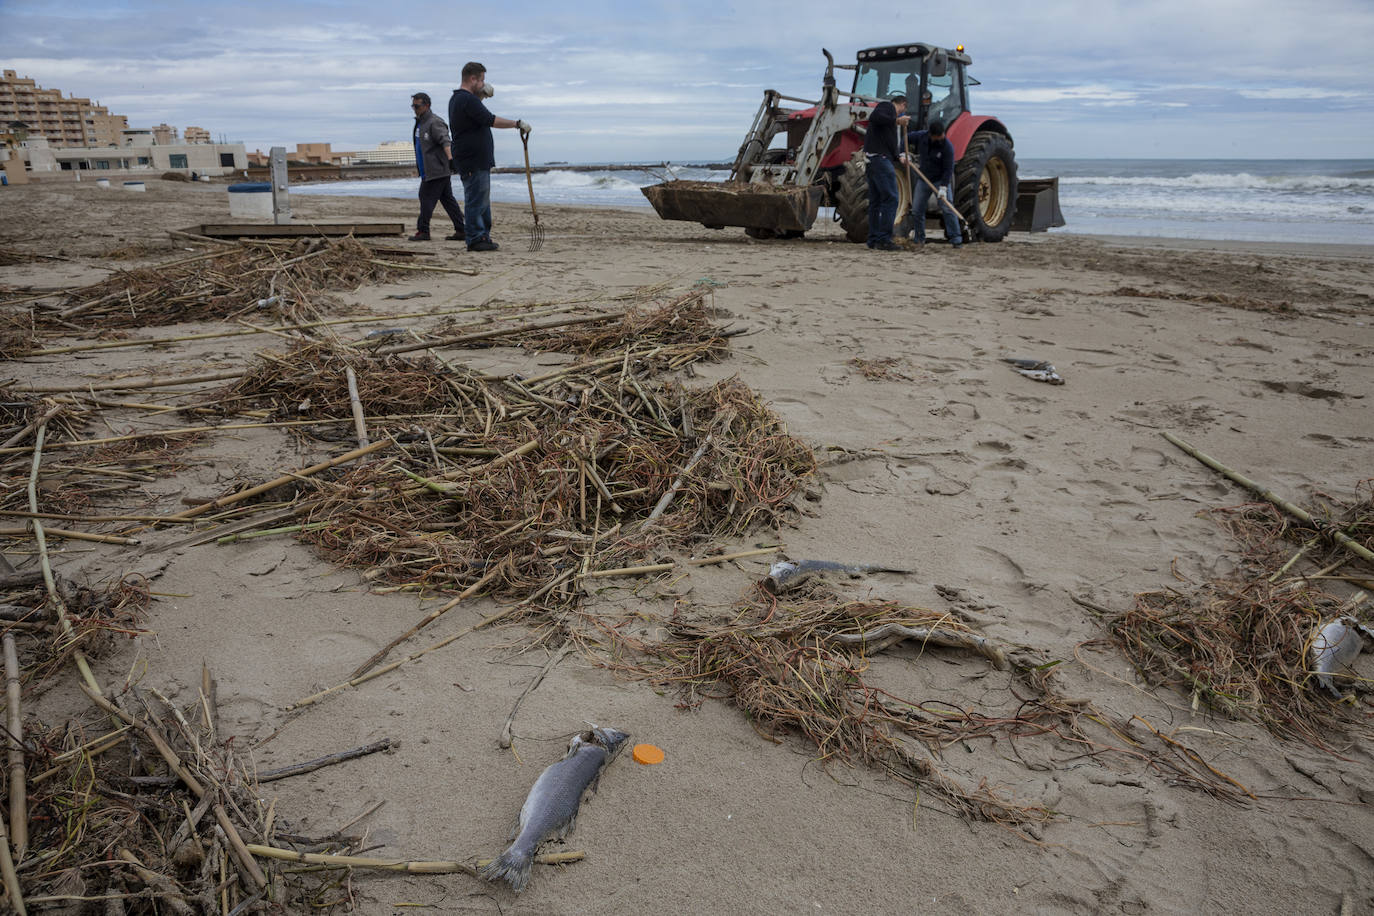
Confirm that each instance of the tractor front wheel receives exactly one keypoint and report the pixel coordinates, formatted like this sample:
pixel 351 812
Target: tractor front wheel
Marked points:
pixel 851 199
pixel 985 182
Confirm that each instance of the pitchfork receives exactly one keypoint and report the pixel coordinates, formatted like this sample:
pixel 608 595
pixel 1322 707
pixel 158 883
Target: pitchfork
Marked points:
pixel 537 233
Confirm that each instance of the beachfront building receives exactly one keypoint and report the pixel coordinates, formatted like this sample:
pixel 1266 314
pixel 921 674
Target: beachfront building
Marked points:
pixel 139 157
pixel 396 152
pixel 165 134
pixel 69 122
pixel 195 135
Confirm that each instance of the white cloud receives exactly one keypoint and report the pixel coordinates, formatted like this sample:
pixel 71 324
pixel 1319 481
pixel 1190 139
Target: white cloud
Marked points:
pixel 1302 92
pixel 1049 94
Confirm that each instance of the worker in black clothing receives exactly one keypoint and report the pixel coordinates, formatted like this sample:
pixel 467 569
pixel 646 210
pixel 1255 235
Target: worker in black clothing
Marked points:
pixel 432 155
pixel 882 153
pixel 934 156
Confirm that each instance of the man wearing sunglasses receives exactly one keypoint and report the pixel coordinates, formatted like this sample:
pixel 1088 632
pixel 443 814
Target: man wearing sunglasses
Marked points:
pixel 432 155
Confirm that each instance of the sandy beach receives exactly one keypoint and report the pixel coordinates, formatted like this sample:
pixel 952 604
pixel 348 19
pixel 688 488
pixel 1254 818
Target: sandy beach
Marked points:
pixel 1006 498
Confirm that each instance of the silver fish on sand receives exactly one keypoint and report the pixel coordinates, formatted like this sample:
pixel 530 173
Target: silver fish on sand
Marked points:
pixel 550 809
pixel 788 574
pixel 1035 369
pixel 1334 648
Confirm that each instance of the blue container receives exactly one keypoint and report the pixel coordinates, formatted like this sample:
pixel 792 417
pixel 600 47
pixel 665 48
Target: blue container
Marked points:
pixel 252 187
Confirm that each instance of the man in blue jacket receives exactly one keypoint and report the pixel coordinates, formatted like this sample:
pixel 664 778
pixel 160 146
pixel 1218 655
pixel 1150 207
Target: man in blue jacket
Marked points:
pixel 432 155
pixel 473 153
pixel 887 122
pixel 934 156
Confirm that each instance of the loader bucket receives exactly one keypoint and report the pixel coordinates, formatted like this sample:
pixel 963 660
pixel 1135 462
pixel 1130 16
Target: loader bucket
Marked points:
pixel 753 206
pixel 1037 205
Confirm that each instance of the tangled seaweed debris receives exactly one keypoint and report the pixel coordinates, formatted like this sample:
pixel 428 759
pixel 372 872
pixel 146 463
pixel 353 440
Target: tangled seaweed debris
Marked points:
pixel 219 285
pixel 1241 643
pixel 794 667
pixel 798 665
pixel 99 618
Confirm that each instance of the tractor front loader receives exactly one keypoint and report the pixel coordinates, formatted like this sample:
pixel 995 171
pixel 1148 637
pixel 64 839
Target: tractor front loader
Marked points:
pixel 793 161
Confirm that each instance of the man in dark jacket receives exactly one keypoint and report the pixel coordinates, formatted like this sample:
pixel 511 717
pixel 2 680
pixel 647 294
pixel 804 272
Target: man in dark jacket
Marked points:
pixel 473 153
pixel 934 156
pixel 432 155
pixel 887 122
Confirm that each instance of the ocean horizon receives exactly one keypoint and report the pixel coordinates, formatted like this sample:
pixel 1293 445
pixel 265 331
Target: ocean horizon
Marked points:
pixel 1273 200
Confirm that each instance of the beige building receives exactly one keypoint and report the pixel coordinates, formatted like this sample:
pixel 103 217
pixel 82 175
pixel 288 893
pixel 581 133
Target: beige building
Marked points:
pixel 69 122
pixel 165 134
pixel 137 159
pixel 195 135
pixel 397 152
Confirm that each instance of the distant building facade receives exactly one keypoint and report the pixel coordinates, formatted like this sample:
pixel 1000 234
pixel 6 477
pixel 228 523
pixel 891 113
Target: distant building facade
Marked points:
pixel 396 152
pixel 195 135
pixel 306 154
pixel 69 122
pixel 165 134
pixel 138 155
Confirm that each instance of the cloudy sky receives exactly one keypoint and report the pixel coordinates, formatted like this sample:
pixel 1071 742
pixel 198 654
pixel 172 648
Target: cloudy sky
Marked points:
pixel 635 80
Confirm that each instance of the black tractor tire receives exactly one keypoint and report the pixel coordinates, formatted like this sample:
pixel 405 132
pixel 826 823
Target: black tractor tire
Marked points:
pixel 762 235
pixel 851 200
pixel 985 186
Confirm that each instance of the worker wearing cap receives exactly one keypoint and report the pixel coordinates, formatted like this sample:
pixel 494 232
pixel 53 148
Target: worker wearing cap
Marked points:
pixel 432 155
pixel 473 153
pixel 934 156
pixel 887 122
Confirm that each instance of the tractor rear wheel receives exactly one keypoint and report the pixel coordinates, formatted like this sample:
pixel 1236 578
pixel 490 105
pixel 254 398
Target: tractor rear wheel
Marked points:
pixel 851 199
pixel 985 180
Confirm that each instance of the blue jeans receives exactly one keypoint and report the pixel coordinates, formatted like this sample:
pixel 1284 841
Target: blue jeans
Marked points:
pixel 476 205
pixel 882 199
pixel 919 199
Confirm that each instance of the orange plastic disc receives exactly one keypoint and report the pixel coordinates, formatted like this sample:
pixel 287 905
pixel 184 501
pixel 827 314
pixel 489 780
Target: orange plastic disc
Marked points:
pixel 647 753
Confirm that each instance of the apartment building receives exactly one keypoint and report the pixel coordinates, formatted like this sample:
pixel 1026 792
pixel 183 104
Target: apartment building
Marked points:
pixel 165 134
pixel 195 135
pixel 65 122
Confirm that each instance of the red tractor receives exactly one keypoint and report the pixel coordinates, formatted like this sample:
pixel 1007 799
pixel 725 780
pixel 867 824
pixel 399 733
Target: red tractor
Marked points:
pixel 795 160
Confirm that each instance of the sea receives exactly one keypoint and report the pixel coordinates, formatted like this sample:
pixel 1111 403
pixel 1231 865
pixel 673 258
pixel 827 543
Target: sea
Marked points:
pixel 1264 200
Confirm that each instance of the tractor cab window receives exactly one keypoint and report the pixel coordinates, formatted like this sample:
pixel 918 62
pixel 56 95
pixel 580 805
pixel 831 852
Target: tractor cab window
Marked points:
pixel 946 97
pixel 882 78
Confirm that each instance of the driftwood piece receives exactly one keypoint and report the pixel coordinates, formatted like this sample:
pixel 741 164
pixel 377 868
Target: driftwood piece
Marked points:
pixel 309 766
pixel 356 403
pixel 1265 493
pixel 19 806
pixel 890 634
pixel 416 868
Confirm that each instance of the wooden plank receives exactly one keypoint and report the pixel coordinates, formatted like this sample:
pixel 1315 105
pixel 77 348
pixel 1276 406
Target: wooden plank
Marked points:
pixel 293 230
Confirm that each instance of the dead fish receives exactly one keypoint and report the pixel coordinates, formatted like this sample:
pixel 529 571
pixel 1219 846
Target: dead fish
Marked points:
pixel 418 294
pixel 551 807
pixel 787 574
pixel 1036 369
pixel 1333 648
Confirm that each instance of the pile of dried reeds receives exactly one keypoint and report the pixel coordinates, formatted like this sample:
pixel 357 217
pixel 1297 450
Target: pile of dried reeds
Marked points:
pixel 1242 643
pixel 312 381
pixel 686 320
pixel 237 281
pixel 561 484
pixel 139 806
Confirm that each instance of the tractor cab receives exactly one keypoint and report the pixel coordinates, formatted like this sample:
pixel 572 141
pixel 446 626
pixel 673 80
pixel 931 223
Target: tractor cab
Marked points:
pixel 934 80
